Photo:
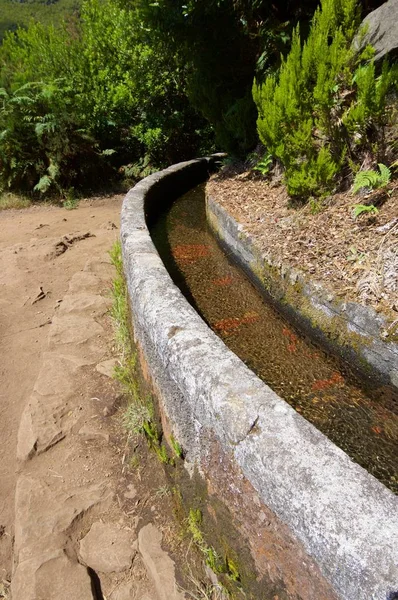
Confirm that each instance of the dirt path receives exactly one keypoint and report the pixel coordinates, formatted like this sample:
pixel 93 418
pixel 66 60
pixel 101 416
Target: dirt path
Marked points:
pixel 60 467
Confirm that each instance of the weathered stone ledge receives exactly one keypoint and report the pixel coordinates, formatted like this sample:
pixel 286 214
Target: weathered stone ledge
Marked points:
pixel 318 523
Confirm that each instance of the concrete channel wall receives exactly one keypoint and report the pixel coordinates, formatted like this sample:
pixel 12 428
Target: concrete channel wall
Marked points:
pixel 316 523
pixel 350 330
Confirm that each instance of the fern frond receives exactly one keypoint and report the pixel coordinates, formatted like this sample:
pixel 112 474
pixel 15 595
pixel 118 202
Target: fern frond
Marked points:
pixel 385 174
pixel 364 208
pixel 372 179
pixel 43 184
pixel 364 179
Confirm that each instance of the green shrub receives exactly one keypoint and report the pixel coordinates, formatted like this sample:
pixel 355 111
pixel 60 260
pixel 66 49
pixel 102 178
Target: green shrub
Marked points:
pixel 326 105
pixel 89 100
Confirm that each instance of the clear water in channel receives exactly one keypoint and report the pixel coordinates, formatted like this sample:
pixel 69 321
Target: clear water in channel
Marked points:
pixel 364 425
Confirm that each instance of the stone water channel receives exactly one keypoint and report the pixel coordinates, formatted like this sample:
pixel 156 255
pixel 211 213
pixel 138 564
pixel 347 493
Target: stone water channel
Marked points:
pixel 361 420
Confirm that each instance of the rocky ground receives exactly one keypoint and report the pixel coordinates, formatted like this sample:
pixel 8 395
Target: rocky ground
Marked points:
pixel 77 519
pixel 355 258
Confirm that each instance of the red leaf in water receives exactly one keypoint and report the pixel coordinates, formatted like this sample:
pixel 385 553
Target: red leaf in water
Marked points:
pixel 377 429
pixel 322 384
pixel 229 324
pixel 292 346
pixel 223 281
pixel 250 317
pixel 190 252
pixel 337 378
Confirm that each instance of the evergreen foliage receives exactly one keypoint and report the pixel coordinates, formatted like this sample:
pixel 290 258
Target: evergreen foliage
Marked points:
pixel 326 107
pixel 221 44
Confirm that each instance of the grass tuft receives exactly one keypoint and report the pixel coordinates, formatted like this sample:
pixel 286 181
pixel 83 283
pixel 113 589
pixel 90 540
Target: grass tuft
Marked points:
pixel 139 416
pixel 9 201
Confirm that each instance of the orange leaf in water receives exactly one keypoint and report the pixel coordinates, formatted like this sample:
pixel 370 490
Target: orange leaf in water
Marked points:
pixel 322 384
pixel 250 317
pixel 292 346
pixel 337 378
pixel 223 281
pixel 377 429
pixel 190 252
pixel 226 325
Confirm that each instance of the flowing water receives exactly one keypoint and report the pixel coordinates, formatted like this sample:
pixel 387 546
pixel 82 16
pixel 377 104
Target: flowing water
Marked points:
pixel 364 425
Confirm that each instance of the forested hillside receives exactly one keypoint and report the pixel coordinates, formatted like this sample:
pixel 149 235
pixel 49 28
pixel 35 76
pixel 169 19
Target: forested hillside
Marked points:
pixel 14 13
pixel 123 88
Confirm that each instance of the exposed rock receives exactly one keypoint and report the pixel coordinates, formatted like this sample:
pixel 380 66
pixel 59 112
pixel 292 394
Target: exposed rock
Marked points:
pixel 73 329
pixel 131 493
pixel 38 529
pixel 88 433
pixel 54 577
pixel 107 367
pixel 84 282
pixel 107 548
pixel 50 413
pixel 158 563
pixel 132 591
pixel 382 29
pixel 84 304
pixel 62 579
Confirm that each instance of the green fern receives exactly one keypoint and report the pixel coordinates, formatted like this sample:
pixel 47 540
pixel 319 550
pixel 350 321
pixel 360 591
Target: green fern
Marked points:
pixel 263 166
pixel 372 179
pixel 44 184
pixel 359 209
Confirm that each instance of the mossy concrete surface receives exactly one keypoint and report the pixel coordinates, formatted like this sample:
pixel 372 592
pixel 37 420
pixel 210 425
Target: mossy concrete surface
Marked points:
pixel 315 521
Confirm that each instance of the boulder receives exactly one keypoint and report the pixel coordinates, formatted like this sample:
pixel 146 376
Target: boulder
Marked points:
pixel 159 565
pixel 108 548
pixel 382 30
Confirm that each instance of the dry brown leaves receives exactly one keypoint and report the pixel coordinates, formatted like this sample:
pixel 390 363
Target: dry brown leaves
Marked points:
pixel 355 259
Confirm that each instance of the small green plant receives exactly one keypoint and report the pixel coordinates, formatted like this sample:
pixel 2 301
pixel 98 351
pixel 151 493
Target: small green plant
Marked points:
pixel 194 522
pixel 137 419
pixel 71 201
pixel 372 179
pixel 264 165
pixel 115 254
pixel 211 557
pixel 232 569
pixel 134 462
pixel 359 209
pixel 163 491
pixel 161 453
pixel 354 255
pixel 119 315
pixel 176 447
pixel 315 205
